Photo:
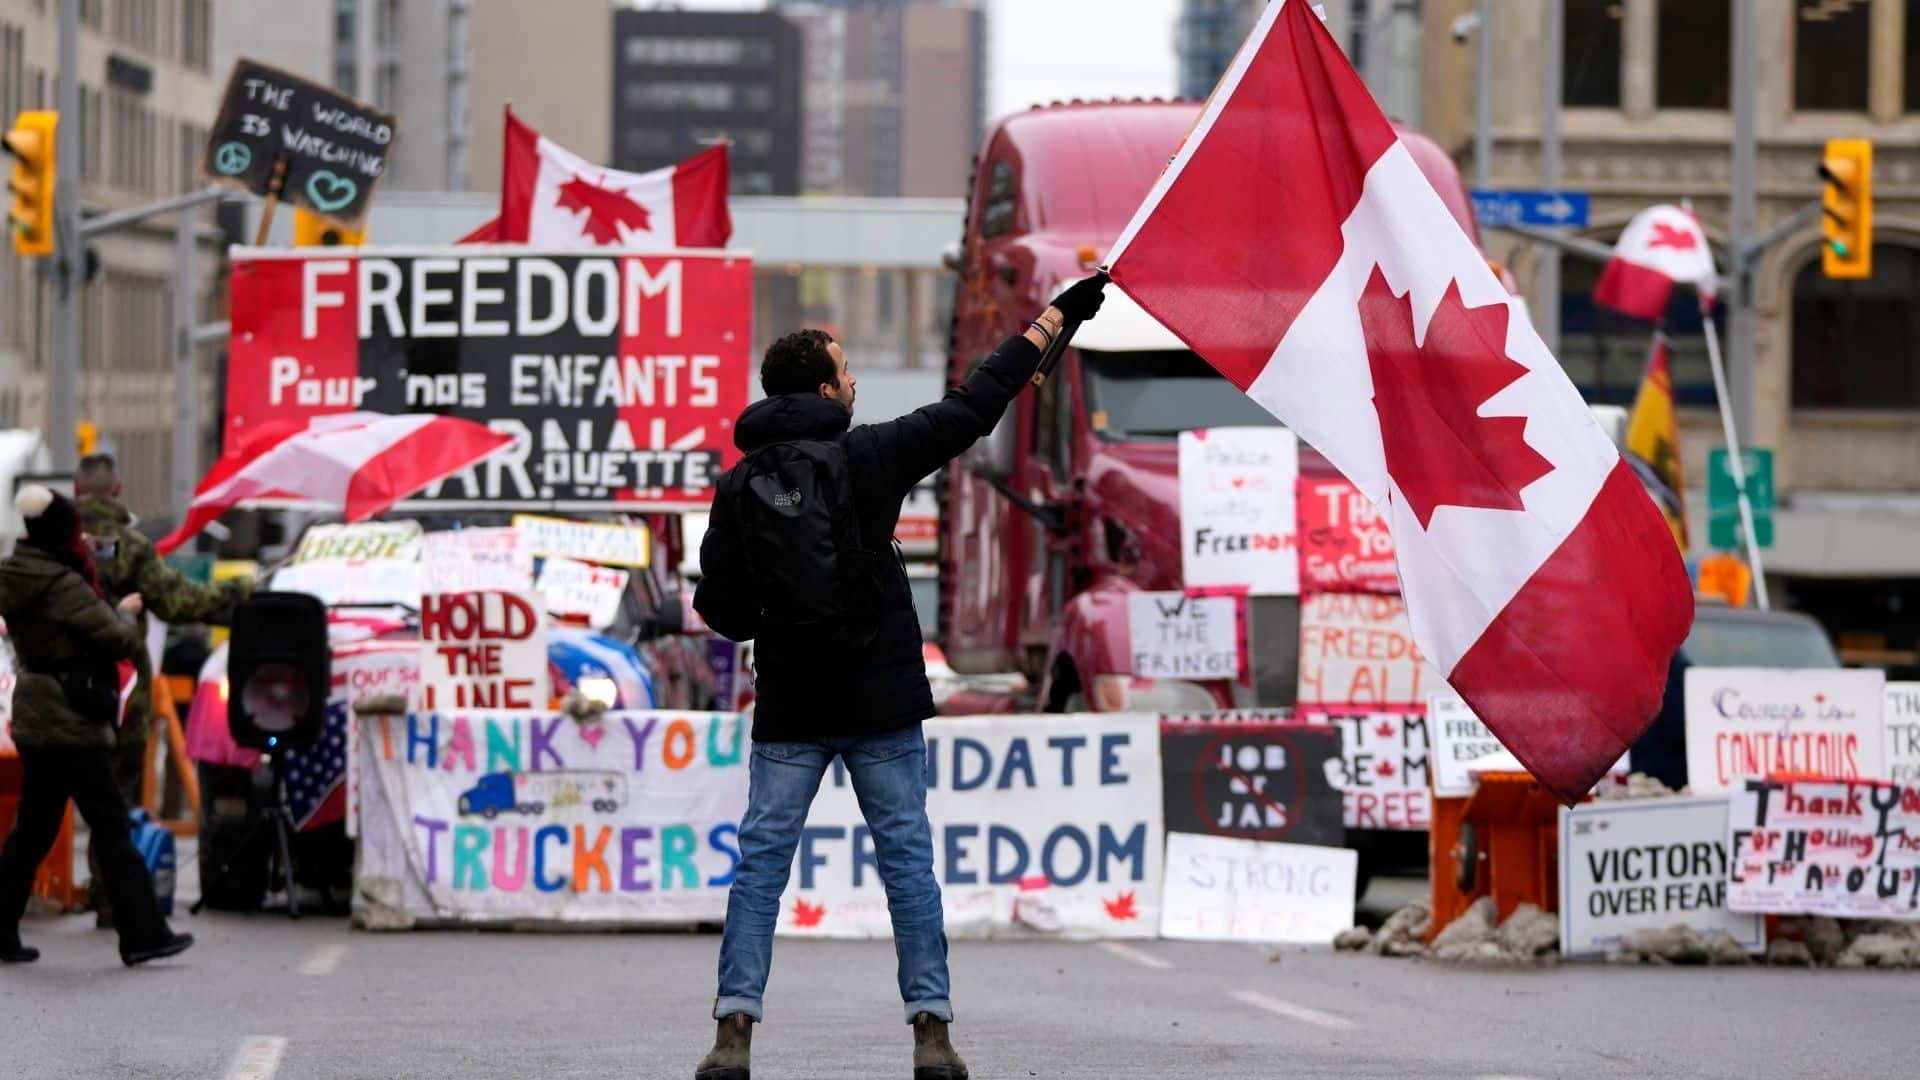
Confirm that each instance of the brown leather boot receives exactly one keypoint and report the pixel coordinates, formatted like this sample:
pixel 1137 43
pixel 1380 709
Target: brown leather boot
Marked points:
pixel 933 1056
pixel 731 1046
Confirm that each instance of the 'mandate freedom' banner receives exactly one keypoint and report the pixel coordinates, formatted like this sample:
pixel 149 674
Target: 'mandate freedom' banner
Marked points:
pixel 620 375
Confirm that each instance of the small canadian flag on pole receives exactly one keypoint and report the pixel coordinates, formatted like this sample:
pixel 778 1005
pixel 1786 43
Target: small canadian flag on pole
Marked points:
pixel 1662 245
pixel 1295 244
pixel 553 197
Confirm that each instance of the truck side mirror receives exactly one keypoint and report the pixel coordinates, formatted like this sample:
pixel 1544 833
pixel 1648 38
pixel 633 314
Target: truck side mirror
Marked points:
pixel 992 456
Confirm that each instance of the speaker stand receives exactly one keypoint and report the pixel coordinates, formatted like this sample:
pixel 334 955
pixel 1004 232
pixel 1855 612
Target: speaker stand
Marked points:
pixel 272 817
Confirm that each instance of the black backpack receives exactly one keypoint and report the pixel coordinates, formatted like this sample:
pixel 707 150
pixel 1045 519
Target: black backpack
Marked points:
pixel 792 503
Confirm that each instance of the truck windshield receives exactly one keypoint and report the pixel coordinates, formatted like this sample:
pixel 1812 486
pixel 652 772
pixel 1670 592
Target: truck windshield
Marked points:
pixel 1157 395
pixel 1731 642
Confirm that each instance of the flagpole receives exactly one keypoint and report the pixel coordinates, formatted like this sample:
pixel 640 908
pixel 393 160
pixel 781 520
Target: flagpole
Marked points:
pixel 1735 462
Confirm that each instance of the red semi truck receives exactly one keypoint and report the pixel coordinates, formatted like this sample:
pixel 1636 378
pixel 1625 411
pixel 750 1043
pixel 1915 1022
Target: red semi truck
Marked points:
pixel 1073 502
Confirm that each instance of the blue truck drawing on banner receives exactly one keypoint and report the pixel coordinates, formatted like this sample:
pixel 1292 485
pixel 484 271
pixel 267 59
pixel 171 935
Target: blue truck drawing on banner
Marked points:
pixel 533 794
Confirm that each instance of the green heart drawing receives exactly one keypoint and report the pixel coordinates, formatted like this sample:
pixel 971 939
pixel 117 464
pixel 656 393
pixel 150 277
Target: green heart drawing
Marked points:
pixel 330 192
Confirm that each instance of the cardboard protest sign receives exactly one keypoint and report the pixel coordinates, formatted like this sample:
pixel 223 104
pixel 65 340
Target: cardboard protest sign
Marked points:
pixel 1176 636
pixel 483 817
pixel 1646 864
pixel 619 375
pixel 279 134
pixel 587 541
pixel 1464 747
pixel 1344 542
pixel 1237 522
pixel 1358 649
pixel 474 560
pixel 1461 745
pixel 1385 767
pixel 1220 889
pixel 581 590
pixel 372 562
pixel 378 668
pixel 1251 774
pixel 1902 717
pixel 1847 848
pixel 1044 825
pixel 483 650
pixel 7 681
pixel 1748 723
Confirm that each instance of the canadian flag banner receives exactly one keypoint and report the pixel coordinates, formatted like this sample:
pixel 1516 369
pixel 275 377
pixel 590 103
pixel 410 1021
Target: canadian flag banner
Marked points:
pixel 1294 243
pixel 1661 245
pixel 552 197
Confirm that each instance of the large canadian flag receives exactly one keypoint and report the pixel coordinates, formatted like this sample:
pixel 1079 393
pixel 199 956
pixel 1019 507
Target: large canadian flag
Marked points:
pixel 553 197
pixel 1296 246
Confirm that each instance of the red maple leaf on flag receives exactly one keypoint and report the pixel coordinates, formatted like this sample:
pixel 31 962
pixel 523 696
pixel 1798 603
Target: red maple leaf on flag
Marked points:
pixel 607 209
pixel 1121 907
pixel 1439 450
pixel 1673 236
pixel 805 914
pixel 1385 769
pixel 1385 730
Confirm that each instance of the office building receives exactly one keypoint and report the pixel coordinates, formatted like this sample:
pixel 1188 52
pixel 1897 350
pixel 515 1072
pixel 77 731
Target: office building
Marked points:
pixel 684 80
pixel 149 86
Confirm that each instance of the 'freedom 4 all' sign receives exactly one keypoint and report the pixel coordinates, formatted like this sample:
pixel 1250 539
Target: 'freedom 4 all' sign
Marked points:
pixel 619 375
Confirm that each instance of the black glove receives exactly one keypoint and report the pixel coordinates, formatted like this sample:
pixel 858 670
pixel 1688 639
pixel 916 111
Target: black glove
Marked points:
pixel 1080 300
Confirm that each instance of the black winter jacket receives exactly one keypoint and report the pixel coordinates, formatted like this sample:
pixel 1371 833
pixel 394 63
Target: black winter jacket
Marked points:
pixel 882 687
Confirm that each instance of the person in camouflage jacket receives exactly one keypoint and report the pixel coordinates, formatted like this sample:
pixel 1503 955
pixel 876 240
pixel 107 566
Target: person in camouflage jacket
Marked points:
pixel 128 564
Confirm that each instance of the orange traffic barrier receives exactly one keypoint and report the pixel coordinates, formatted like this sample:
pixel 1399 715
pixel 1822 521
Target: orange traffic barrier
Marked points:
pixel 1502 841
pixel 169 692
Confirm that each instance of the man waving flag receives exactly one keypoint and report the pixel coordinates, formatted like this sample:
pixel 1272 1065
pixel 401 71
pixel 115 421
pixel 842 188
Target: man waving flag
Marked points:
pixel 1295 245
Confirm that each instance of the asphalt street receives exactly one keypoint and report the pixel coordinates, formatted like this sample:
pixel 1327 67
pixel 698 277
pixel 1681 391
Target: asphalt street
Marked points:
pixel 265 997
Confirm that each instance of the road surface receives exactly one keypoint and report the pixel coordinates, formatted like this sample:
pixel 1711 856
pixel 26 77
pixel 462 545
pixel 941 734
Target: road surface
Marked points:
pixel 264 997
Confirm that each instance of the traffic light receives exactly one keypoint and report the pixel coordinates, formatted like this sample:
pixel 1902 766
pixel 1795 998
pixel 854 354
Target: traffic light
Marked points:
pixel 1847 223
pixel 30 141
pixel 86 437
pixel 312 230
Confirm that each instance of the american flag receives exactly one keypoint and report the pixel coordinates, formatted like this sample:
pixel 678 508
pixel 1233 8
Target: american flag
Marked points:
pixel 316 777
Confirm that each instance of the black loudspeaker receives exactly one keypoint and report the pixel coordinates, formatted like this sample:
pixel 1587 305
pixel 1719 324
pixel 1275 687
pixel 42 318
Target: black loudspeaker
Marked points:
pixel 279 667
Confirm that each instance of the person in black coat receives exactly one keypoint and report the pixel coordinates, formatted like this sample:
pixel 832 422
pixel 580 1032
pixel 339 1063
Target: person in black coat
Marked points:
pixel 67 641
pixel 864 704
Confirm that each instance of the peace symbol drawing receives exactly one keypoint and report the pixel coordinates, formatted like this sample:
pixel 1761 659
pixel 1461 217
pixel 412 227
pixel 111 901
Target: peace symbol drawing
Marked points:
pixel 232 159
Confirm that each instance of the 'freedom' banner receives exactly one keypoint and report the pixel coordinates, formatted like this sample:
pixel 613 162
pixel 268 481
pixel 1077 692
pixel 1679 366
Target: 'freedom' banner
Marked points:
pixel 619 375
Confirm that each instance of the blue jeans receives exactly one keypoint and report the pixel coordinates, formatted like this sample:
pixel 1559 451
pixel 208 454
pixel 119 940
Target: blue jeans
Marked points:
pixel 889 773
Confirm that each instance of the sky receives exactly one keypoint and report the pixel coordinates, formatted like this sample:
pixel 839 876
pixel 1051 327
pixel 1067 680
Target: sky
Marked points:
pixel 1048 50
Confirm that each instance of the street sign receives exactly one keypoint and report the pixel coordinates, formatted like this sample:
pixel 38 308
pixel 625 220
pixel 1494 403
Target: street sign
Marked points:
pixel 1723 497
pixel 1498 209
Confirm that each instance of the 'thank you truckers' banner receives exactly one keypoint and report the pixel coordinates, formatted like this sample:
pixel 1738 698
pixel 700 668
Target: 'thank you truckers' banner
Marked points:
pixel 1041 825
pixel 536 817
pixel 620 375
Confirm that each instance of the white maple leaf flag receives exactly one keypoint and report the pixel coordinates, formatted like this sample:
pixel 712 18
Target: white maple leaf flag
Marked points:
pixel 1296 246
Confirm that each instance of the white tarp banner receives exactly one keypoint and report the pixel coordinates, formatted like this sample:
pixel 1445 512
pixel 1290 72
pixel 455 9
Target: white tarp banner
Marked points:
pixel 1237 521
pixel 1223 889
pixel 1645 864
pixel 536 817
pixel 1751 723
pixel 1041 825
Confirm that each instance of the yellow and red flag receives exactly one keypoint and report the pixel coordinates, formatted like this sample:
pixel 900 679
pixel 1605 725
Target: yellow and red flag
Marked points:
pixel 1653 441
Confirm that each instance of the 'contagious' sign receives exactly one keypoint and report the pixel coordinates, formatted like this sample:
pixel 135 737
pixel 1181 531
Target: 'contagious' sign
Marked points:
pixel 620 375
